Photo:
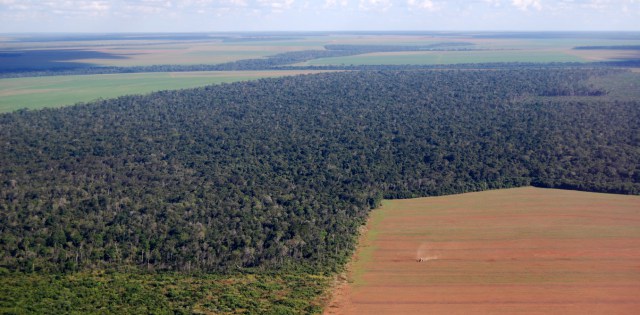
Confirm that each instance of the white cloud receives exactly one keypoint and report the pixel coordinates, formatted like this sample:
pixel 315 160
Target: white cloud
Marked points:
pixel 238 3
pixel 276 6
pixel 69 8
pixel 375 5
pixel 598 4
pixel 145 7
pixel 335 3
pixel 493 3
pixel 525 4
pixel 94 6
pixel 106 15
pixel 422 4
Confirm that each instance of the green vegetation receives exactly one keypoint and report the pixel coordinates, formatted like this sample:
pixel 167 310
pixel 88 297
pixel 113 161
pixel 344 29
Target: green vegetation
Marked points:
pixel 446 57
pixel 41 92
pixel 246 197
pixel 278 174
pixel 625 85
pixel 140 293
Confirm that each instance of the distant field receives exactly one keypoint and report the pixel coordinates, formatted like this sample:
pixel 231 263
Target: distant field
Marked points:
pixel 119 50
pixel 137 55
pixel 184 54
pixel 123 53
pixel 171 51
pixel 448 57
pixel 146 50
pixel 605 55
pixel 140 53
pixel 525 250
pixel 40 92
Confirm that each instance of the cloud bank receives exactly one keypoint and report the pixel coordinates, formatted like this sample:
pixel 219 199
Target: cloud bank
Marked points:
pixel 254 15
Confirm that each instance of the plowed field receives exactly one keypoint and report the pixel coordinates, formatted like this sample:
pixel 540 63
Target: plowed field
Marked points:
pixel 514 251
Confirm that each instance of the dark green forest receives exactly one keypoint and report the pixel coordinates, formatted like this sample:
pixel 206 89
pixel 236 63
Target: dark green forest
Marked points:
pixel 279 174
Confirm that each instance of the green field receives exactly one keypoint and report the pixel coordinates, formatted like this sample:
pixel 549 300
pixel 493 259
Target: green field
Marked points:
pixel 447 57
pixel 53 91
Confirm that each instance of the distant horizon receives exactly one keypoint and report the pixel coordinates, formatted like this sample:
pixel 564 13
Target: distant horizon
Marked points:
pixel 346 31
pixel 320 32
pixel 222 16
pixel 327 31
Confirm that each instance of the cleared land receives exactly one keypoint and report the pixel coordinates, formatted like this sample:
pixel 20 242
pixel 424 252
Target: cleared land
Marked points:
pixel 185 54
pixel 40 92
pixel 525 250
pixel 123 53
pixel 448 57
pixel 212 50
pixel 605 55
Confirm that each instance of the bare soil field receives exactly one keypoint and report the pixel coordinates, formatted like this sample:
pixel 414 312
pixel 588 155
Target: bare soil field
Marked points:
pixel 605 55
pixel 525 251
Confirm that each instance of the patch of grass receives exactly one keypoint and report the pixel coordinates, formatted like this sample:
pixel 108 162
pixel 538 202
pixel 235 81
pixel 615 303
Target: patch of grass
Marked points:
pixel 366 249
pixel 130 293
pixel 447 57
pixel 55 91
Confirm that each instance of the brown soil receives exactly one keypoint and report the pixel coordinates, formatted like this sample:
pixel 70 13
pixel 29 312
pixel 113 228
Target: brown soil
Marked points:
pixel 603 54
pixel 525 250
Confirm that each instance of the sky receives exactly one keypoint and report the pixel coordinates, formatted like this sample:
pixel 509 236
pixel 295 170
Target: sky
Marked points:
pixel 103 16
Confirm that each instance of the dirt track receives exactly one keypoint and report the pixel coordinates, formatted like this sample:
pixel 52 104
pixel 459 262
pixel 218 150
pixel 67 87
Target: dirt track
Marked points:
pixel 525 250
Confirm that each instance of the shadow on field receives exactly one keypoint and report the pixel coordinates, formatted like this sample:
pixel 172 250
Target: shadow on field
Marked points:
pixel 21 60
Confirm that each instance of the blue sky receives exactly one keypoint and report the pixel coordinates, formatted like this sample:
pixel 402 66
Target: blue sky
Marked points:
pixel 304 15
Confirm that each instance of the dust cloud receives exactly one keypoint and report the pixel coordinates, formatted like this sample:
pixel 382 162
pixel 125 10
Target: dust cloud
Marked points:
pixel 426 253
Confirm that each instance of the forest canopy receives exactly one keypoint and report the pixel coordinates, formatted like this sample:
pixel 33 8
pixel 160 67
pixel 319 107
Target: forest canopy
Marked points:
pixel 280 173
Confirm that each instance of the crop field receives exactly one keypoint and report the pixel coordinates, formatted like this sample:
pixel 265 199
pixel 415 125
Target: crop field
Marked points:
pixel 53 91
pixel 208 49
pixel 147 52
pixel 605 54
pixel 525 250
pixel 144 53
pixel 448 57
pixel 184 54
pixel 123 53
